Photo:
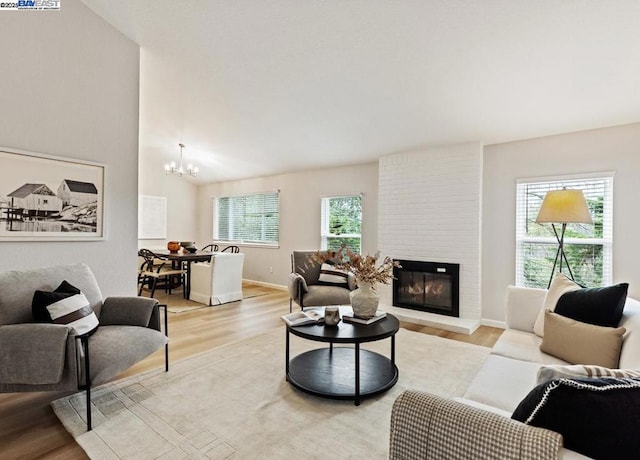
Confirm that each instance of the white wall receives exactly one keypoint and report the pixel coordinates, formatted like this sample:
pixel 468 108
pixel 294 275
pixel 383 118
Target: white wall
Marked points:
pixel 300 195
pixel 608 149
pixel 430 207
pixel 182 200
pixel 70 88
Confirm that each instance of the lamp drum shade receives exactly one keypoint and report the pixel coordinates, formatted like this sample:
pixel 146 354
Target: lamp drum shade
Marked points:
pixel 564 206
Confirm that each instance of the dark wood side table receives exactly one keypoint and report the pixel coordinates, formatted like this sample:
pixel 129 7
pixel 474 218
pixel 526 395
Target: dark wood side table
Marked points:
pixel 343 372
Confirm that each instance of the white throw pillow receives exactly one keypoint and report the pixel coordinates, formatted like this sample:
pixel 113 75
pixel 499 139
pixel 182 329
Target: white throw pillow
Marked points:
pixel 329 274
pixel 559 285
pixel 74 311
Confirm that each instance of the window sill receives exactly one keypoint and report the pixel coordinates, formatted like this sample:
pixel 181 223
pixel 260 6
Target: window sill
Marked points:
pixel 222 244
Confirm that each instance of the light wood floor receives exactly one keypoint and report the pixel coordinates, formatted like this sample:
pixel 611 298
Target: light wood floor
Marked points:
pixel 29 429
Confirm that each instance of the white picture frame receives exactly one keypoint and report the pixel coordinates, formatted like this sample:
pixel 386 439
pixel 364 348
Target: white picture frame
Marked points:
pixel 152 217
pixel 50 198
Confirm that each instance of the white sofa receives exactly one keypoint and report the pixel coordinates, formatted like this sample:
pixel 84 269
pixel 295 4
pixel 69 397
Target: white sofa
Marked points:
pixel 506 377
pixel 219 281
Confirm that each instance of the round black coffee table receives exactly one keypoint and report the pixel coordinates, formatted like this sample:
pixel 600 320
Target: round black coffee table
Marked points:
pixel 344 372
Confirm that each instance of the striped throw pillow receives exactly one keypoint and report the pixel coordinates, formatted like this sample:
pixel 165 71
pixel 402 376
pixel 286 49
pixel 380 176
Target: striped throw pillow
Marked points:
pixel 330 275
pixel 65 305
pixel 551 372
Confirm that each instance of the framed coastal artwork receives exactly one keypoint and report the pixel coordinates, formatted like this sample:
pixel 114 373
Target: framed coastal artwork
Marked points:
pixel 49 198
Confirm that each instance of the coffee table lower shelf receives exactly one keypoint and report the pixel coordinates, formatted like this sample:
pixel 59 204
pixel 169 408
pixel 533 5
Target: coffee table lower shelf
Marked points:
pixel 331 373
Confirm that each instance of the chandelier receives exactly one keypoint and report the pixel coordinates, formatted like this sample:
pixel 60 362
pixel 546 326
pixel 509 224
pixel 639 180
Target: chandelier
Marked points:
pixel 171 168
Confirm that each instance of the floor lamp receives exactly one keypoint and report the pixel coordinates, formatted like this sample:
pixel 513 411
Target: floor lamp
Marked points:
pixel 563 207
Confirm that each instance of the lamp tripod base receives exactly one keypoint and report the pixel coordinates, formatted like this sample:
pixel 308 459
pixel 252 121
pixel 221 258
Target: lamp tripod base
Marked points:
pixel 560 255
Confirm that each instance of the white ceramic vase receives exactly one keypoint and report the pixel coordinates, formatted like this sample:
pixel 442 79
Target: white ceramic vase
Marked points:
pixel 364 300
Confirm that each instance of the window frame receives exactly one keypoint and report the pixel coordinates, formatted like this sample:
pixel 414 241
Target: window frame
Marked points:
pixel 569 181
pixel 325 233
pixel 263 242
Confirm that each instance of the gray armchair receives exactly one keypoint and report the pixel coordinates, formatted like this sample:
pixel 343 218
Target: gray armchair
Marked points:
pixel 49 357
pixel 305 288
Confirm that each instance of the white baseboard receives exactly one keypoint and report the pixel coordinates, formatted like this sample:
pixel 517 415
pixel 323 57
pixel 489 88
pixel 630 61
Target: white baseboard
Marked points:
pixel 494 323
pixel 271 285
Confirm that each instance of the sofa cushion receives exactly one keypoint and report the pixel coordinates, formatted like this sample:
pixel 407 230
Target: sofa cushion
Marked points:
pixel 581 343
pixel 523 345
pixel 332 276
pixel 64 305
pixel 502 382
pixel 546 373
pixel 599 418
pixel 559 285
pixel 601 306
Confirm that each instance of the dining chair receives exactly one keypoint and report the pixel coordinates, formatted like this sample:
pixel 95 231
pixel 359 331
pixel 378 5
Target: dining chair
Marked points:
pixel 150 272
pixel 210 247
pixel 232 249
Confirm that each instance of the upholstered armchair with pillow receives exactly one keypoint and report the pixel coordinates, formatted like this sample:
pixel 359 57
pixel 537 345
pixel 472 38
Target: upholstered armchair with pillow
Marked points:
pixel 313 284
pixel 57 333
pixel 218 281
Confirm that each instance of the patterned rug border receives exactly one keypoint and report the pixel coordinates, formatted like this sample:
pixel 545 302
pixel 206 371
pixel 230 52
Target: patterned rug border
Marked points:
pixel 129 408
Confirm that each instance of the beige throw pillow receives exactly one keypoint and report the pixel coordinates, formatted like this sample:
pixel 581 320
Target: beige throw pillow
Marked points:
pixel 581 343
pixel 559 285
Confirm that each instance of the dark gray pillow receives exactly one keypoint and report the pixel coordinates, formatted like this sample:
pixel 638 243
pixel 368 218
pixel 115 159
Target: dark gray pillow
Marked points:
pixel 599 418
pixel 600 306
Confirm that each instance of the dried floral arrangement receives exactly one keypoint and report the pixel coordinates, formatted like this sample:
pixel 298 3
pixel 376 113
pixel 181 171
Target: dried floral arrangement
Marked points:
pixel 364 268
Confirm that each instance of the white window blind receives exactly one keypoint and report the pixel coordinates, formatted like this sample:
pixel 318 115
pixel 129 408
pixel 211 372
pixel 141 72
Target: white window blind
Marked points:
pixel 588 247
pixel 253 218
pixel 341 222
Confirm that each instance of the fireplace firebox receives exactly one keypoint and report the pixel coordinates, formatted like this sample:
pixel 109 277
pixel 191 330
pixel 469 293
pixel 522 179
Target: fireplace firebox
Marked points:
pixel 427 286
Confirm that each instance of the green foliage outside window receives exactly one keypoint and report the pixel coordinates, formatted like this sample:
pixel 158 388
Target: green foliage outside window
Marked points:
pixel 343 223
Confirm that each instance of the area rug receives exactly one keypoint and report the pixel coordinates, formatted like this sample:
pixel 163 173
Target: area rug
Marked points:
pixel 234 402
pixel 247 293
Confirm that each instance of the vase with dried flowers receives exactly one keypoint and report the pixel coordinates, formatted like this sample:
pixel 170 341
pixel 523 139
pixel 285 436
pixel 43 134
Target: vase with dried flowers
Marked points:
pixel 367 271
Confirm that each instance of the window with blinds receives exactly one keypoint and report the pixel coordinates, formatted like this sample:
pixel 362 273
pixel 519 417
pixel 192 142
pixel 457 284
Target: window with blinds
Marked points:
pixel 253 218
pixel 341 222
pixel 588 247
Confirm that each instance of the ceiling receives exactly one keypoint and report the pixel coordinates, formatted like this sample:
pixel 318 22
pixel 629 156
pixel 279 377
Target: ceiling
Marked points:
pixel 261 87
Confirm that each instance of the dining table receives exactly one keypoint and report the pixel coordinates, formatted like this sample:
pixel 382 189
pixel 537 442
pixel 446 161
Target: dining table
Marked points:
pixel 186 258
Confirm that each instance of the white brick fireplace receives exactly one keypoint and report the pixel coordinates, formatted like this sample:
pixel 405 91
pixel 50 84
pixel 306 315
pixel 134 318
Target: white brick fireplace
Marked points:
pixel 430 210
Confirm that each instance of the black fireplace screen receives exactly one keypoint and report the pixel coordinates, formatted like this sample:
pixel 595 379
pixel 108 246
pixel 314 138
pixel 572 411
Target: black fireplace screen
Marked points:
pixel 427 286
